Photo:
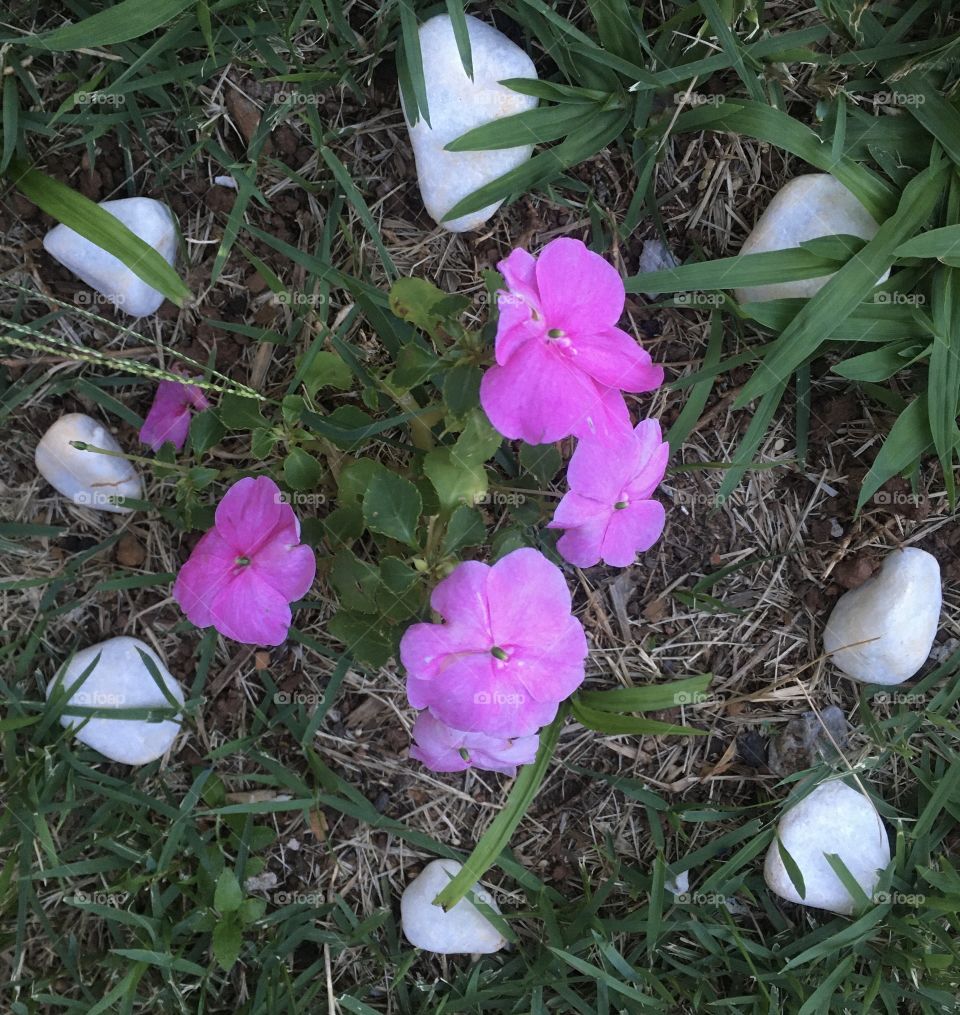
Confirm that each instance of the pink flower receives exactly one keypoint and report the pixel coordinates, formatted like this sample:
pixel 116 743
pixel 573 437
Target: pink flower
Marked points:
pixel 508 653
pixel 561 361
pixel 245 572
pixel 443 749
pixel 608 513
pixel 169 416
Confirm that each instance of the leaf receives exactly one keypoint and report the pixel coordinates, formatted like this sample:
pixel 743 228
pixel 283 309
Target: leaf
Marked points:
pixel 367 638
pixel 461 388
pixel 542 461
pixel 206 431
pixel 327 370
pixel 465 528
pixel 98 226
pixel 793 871
pixel 392 507
pixel 301 470
pixel 878 365
pixel 615 724
pixel 943 242
pixel 355 581
pixel 497 836
pixel 120 22
pixel 535 126
pixel 651 698
pixel 461 33
pixel 227 942
pixel 908 440
pixel 228 894
pixel 418 302
pixel 241 413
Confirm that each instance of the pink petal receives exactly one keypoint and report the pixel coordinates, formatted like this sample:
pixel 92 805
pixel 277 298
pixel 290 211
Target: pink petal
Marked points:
pixel 554 669
pixel 529 599
pixel 575 510
pixel 461 599
pixel 614 358
pixel 599 470
pixel 210 569
pixel 252 512
pixel 168 418
pixel 580 292
pixel 519 270
pixel 425 650
pixel 539 397
pixel 581 546
pixel 287 567
pixel 250 611
pixel 608 419
pixel 631 531
pixel 515 326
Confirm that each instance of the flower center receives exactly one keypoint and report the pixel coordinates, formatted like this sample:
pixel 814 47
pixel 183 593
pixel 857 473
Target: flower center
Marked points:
pixel 499 653
pixel 464 753
pixel 242 561
pixel 621 504
pixel 555 333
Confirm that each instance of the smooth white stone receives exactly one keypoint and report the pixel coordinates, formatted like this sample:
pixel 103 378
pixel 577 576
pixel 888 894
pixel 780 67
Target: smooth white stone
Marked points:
pixel 900 607
pixel 463 930
pixel 832 819
pixel 807 207
pixel 152 221
pixel 121 680
pixel 456 105
pixel 85 477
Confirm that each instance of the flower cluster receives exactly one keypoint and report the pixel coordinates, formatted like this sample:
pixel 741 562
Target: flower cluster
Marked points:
pixel 508 652
pixel 562 367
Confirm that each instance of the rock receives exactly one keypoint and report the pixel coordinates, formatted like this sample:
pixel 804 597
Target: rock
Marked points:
pixel 655 257
pixel 463 930
pixel 832 819
pixel 85 477
pixel 130 551
pixel 120 680
pixel 900 608
pixel 456 105
pixel 807 207
pixel 808 738
pixel 151 220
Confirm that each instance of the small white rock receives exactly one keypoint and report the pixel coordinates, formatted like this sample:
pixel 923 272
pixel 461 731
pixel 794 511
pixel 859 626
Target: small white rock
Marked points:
pixel 120 680
pixel 463 930
pixel 832 819
pixel 85 477
pixel 809 206
pixel 456 105
pixel 899 607
pixel 151 220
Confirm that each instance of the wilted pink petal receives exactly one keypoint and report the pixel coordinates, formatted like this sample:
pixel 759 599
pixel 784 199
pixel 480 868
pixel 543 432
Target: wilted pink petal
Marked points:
pixel 608 514
pixel 444 749
pixel 245 572
pixel 561 362
pixel 169 416
pixel 508 653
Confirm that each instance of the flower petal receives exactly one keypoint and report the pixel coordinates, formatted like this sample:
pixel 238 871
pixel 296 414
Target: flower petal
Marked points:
pixel 552 671
pixel 461 599
pixel 599 470
pixel 652 454
pixel 252 513
pixel 581 546
pixel 210 569
pixel 250 611
pixel 614 358
pixel 528 598
pixel 631 531
pixel 287 567
pixel 519 270
pixel 426 649
pixel 575 510
pixel 579 290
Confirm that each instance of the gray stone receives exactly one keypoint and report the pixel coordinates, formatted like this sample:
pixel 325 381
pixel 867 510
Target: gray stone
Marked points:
pixel 809 206
pixel 461 931
pixel 86 477
pixel 832 819
pixel 152 221
pixel 456 104
pixel 120 680
pixel 899 607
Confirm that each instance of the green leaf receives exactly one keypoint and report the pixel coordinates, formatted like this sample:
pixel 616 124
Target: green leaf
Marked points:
pixel 206 431
pixel 227 942
pixel 615 724
pixel 327 370
pixel 650 698
pixel 908 440
pixel 878 365
pixel 98 226
pixel 497 836
pixel 355 581
pixel 241 413
pixel 457 482
pixel 301 471
pixel 943 242
pixel 793 871
pixel 369 639
pixel 461 388
pixel 228 894
pixel 414 366
pixel 461 33
pixel 392 507
pixel 535 126
pixel 465 528
pixel 120 22
pixel 418 302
